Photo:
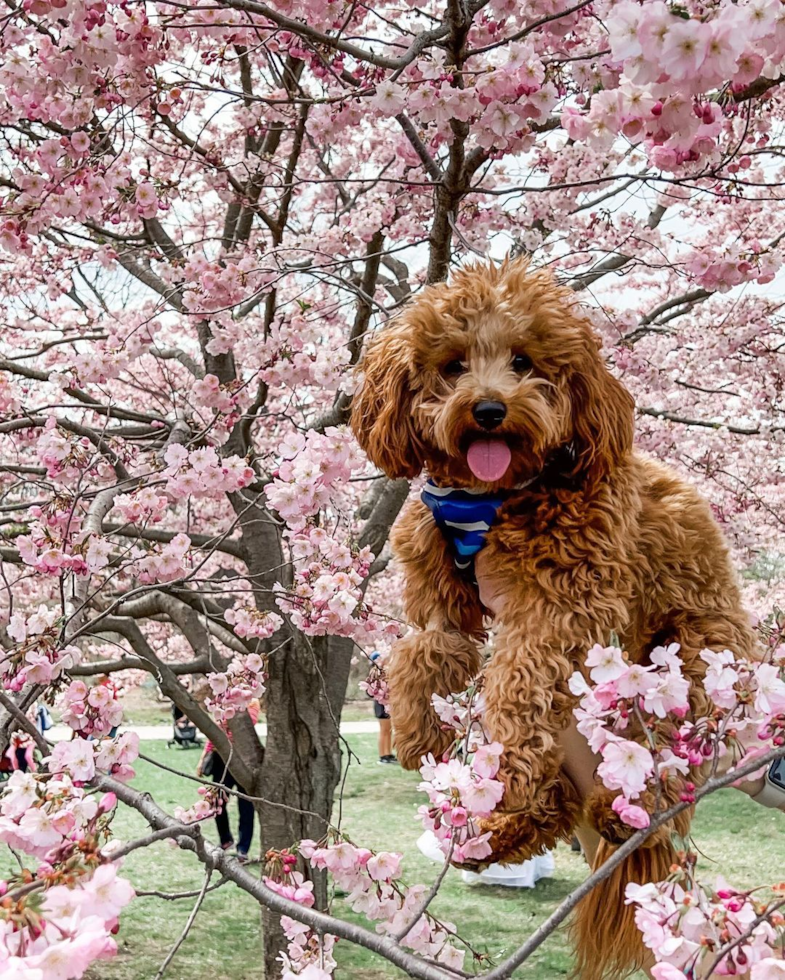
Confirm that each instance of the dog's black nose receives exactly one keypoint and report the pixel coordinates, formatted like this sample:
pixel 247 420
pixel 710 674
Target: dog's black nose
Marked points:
pixel 489 414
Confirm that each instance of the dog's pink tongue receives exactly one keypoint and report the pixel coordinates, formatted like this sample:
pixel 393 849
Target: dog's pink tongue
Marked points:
pixel 488 459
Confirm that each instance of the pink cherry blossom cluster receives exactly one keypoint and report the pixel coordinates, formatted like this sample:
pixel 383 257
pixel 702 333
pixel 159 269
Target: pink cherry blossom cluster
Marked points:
pixel 690 927
pixel 374 889
pixel 74 47
pixel 142 506
pixel 668 65
pixel 462 788
pixel 146 199
pixel 376 685
pixel 505 93
pixel 92 710
pixel 605 710
pixel 308 955
pixel 749 709
pixel 210 393
pixel 460 794
pixel 56 921
pixel 36 816
pixel 134 334
pixel 235 688
pixel 721 271
pixel 108 359
pixel 41 814
pixel 10 396
pixel 313 471
pixel 211 802
pixel 63 454
pixel 81 758
pixel 60 932
pixel 55 543
pixel 294 354
pixel 50 550
pixel 165 563
pixel 114 756
pixel 327 596
pixel 52 523
pixel 282 877
pixel 40 657
pixel 749 716
pixel 215 286
pixel 687 926
pixel 203 473
pixel 249 621
pixel 657 45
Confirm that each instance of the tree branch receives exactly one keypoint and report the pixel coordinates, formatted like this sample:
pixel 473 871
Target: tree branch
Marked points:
pixel 190 839
pixel 657 413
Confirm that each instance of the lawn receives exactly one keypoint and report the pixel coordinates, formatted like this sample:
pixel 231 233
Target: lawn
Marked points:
pixel 744 841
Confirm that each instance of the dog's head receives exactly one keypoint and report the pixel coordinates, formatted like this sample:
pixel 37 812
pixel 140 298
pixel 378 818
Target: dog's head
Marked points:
pixel 484 380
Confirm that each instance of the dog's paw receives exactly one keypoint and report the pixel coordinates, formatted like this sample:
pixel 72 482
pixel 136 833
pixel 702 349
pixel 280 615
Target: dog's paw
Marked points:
pixel 519 834
pixel 610 826
pixel 514 837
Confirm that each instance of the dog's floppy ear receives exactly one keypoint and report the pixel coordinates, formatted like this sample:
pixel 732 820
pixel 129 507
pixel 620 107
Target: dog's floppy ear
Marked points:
pixel 602 416
pixel 382 407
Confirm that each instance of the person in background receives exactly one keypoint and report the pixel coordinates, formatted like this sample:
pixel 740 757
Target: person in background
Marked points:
pixel 524 875
pixel 386 755
pixel 43 720
pixel 211 764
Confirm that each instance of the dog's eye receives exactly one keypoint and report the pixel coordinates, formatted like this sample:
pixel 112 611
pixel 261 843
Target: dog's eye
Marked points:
pixel 453 368
pixel 521 363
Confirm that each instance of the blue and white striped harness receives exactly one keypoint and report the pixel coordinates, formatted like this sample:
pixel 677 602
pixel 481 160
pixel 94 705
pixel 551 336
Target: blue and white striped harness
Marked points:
pixel 464 517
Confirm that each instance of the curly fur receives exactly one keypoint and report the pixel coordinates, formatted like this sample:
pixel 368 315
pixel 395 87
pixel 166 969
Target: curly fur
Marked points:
pixel 431 662
pixel 602 541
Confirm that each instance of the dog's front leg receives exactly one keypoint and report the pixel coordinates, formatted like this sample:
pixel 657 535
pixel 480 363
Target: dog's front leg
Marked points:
pixel 430 662
pixel 444 655
pixel 528 703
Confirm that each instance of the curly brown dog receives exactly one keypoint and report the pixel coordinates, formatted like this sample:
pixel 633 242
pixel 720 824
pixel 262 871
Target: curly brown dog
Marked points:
pixel 495 383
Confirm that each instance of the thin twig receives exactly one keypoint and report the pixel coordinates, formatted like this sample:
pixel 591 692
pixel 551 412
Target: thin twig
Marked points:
pixel 24 722
pixel 188 924
pixel 175 896
pixel 745 935
pixel 232 792
pixel 163 834
pixel 403 933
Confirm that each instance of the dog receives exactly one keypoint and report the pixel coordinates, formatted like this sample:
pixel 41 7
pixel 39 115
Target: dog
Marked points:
pixel 495 386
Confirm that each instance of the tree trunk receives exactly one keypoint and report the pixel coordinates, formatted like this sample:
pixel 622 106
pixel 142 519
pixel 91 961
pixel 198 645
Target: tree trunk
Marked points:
pixel 302 760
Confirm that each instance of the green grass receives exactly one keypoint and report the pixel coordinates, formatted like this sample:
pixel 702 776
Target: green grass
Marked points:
pixel 736 837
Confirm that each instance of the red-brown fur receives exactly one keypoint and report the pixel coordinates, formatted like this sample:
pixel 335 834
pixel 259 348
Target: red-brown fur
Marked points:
pixel 608 542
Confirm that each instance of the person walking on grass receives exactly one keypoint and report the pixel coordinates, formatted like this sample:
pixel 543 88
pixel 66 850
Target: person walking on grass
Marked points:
pixel 211 764
pixel 386 755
